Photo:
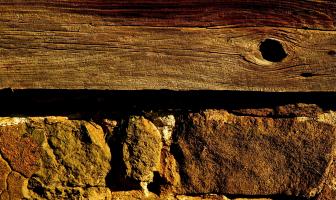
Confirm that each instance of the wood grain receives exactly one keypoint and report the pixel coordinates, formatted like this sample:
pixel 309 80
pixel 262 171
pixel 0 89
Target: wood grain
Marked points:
pixel 176 45
pixel 312 14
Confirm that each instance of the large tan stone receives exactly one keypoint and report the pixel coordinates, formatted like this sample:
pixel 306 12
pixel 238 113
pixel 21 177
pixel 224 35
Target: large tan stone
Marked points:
pixel 53 158
pixel 219 152
pixel 75 156
pixel 329 189
pixel 142 149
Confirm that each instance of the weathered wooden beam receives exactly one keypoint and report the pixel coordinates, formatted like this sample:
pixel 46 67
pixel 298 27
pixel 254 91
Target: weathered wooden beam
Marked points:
pixel 313 14
pixel 177 45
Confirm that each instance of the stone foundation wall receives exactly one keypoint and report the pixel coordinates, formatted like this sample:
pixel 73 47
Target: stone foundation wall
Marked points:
pixel 285 152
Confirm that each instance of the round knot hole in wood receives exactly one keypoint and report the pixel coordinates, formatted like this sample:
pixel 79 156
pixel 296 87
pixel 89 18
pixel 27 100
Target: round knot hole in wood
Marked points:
pixel 332 53
pixel 307 74
pixel 272 50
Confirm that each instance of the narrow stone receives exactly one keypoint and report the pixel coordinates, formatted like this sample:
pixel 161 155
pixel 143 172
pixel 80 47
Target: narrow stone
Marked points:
pixel 142 149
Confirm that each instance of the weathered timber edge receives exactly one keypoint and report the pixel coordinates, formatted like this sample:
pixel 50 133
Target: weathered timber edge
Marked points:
pixel 185 45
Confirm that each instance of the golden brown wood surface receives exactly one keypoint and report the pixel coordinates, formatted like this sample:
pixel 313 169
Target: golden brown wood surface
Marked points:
pixel 177 45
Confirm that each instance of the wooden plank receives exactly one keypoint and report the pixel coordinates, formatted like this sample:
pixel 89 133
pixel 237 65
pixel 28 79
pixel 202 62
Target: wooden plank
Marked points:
pixel 312 14
pixel 190 45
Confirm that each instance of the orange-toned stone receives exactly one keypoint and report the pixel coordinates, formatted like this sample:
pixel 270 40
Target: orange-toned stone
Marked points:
pixel 15 185
pixel 20 150
pixel 4 171
pixel 219 152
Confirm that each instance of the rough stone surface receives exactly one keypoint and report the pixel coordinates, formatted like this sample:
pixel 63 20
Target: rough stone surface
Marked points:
pixel 142 149
pixel 4 172
pixel 168 167
pixel 214 197
pixel 219 152
pixel 263 112
pixel 329 189
pixel 20 149
pixel 299 109
pixel 139 195
pixel 53 158
pixel 19 157
pixel 328 193
pixel 202 197
pixel 75 155
pixel 98 193
pixel 209 155
pixel 16 186
pixel 134 195
pixel 288 110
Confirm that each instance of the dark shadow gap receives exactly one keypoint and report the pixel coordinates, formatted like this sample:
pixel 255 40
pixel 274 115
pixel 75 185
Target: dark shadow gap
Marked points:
pixel 107 103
